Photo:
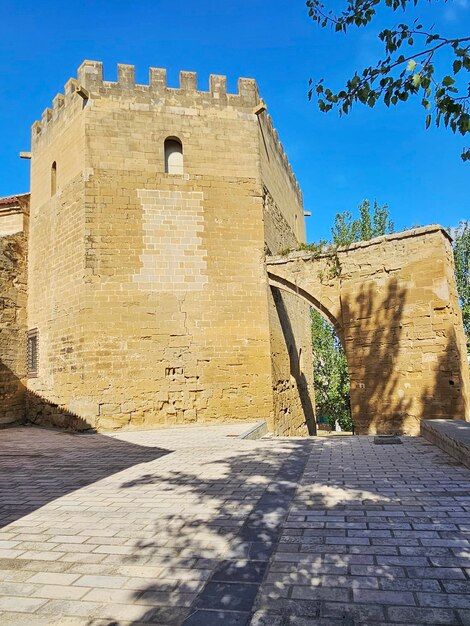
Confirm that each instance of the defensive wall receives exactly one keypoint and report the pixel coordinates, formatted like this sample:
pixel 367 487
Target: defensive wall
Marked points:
pixel 394 303
pixel 151 296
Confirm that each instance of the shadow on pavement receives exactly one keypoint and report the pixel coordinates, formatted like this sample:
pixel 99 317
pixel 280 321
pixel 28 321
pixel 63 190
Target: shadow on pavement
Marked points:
pixel 47 464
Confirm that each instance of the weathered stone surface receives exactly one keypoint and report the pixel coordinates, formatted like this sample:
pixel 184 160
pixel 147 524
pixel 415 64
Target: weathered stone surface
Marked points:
pixel 452 436
pixel 149 290
pixel 152 303
pixel 393 301
pixel 13 293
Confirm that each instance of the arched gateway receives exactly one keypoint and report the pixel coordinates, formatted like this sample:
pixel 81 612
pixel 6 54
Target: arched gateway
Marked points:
pixel 394 305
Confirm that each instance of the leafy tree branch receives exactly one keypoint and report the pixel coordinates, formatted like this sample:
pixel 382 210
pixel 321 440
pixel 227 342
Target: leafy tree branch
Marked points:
pixel 462 272
pixel 406 69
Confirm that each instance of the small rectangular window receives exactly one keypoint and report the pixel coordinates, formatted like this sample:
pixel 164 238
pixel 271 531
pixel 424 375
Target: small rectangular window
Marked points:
pixel 33 353
pixel 53 179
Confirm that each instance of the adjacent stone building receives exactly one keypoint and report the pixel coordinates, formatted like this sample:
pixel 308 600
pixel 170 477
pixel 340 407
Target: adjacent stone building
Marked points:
pixel 14 212
pixel 135 285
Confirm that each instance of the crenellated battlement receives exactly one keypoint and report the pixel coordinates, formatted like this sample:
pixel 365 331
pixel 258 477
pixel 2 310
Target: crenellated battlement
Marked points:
pixel 59 103
pixel 269 125
pixel 90 76
pixel 89 84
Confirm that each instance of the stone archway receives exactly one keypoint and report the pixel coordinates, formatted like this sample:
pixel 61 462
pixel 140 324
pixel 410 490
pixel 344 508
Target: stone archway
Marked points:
pixel 394 304
pixel 328 305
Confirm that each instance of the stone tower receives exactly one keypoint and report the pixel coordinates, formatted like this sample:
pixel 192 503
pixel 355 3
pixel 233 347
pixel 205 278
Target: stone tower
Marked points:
pixel 152 209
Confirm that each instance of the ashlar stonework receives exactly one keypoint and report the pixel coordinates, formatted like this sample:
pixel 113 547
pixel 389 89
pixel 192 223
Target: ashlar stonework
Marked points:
pixel 148 300
pixel 147 288
pixel 394 304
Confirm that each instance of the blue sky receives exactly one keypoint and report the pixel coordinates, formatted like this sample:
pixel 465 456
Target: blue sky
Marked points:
pixel 380 153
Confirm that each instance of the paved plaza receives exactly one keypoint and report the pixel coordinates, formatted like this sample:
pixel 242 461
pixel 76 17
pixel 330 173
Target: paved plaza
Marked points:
pixel 197 527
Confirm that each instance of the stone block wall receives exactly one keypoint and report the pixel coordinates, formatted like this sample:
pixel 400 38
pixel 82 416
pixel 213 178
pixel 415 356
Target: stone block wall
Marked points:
pixel 152 307
pixel 403 332
pixel 56 256
pixel 452 436
pixel 149 292
pixel 394 303
pixel 13 214
pixel 289 316
pixel 13 277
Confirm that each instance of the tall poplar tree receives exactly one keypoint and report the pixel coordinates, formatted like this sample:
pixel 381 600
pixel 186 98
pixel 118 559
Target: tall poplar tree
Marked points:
pixel 331 377
pixel 462 272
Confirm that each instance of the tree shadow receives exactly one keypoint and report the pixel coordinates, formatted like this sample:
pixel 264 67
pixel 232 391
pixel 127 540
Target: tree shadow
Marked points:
pixel 39 465
pixel 448 395
pixel 211 558
pixel 214 563
pixel 405 363
pixel 209 540
pixel 302 387
pixel 398 320
pixel 375 346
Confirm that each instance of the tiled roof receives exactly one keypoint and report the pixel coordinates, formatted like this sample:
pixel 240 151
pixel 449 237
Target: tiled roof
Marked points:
pixel 12 199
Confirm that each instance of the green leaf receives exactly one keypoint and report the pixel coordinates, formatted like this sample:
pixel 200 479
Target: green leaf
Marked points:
pixel 447 81
pixel 411 65
pixel 428 120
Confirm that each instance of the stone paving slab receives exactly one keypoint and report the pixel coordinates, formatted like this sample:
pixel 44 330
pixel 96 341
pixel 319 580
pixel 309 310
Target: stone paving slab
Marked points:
pixel 453 436
pixel 377 504
pixel 194 526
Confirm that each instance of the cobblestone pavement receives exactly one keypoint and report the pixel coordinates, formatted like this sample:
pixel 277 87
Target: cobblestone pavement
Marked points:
pixel 196 527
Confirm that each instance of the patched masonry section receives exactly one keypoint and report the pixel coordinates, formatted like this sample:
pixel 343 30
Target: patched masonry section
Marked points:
pixel 173 258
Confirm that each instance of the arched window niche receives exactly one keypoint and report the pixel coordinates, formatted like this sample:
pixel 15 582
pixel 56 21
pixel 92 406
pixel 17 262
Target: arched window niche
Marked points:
pixel 173 156
pixel 53 178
